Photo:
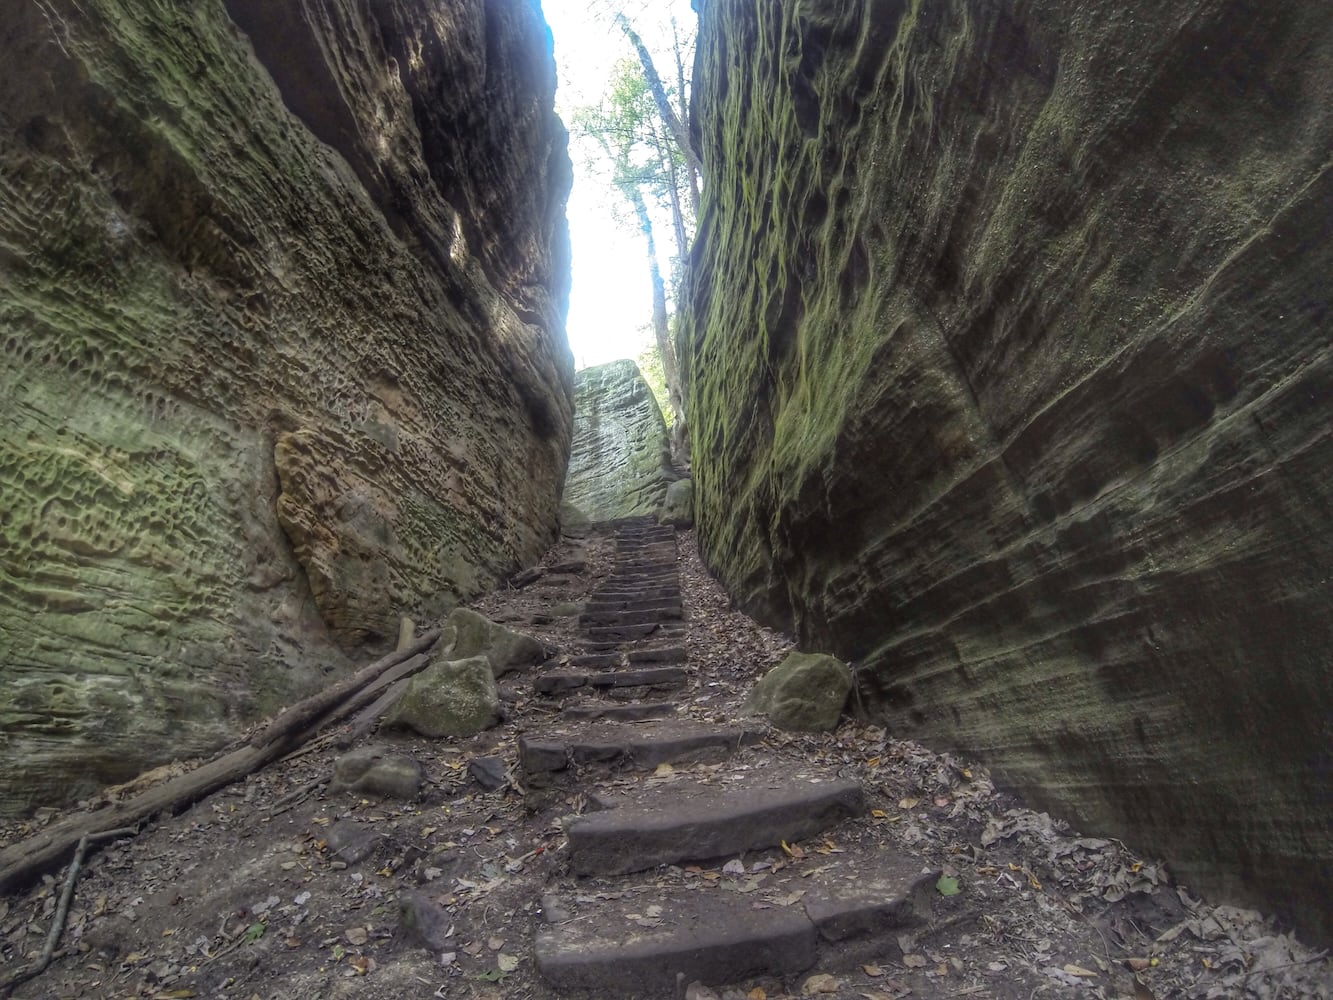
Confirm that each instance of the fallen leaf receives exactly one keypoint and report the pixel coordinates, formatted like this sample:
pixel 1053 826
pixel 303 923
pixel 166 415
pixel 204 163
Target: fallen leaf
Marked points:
pixel 947 886
pixel 756 994
pixel 506 963
pixel 664 771
pixel 495 943
pixel 356 936
pixel 1078 970
pixel 914 961
pixel 908 803
pixel 873 971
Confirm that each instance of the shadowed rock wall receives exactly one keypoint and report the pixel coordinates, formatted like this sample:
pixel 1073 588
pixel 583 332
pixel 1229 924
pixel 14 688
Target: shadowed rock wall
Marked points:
pixel 620 461
pixel 282 292
pixel 1011 382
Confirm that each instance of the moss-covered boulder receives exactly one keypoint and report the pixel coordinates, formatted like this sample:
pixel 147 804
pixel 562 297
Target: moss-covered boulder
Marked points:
pixel 449 698
pixel 505 649
pixel 678 506
pixel 805 692
pixel 620 464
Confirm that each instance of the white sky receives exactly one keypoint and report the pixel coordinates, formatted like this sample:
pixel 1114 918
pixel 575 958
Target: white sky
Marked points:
pixel 610 305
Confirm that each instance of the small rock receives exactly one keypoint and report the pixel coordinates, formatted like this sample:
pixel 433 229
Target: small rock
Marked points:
pixel 488 772
pixel 375 771
pixel 351 842
pixel 698 991
pixel 422 921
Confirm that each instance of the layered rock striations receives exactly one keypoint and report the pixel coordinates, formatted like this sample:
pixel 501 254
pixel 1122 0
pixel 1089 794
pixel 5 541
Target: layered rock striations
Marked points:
pixel 282 290
pixel 620 462
pixel 1010 382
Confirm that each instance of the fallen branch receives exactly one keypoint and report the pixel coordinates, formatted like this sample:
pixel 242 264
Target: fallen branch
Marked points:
pixel 304 712
pixel 62 909
pixel 367 717
pixel 23 862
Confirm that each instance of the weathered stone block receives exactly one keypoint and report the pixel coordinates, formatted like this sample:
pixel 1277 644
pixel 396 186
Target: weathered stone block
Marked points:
pixel 449 698
pixel 806 691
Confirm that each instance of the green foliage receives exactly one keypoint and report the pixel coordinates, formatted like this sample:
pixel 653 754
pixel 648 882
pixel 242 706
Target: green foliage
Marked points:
pixel 650 364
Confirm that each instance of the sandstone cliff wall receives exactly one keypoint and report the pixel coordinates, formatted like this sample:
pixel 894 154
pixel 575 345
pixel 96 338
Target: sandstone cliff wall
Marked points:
pixel 620 460
pixel 282 291
pixel 1012 382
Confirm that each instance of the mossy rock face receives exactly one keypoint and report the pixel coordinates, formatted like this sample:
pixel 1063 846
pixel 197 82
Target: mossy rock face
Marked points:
pixel 805 692
pixel 449 698
pixel 230 239
pixel 620 463
pixel 1008 380
pixel 678 507
pixel 507 650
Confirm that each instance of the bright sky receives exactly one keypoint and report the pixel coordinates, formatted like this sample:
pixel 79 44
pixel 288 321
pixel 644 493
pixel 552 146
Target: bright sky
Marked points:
pixel 610 305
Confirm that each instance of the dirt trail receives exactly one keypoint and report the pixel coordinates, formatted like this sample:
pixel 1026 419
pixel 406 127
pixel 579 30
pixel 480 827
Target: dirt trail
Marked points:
pixel 642 828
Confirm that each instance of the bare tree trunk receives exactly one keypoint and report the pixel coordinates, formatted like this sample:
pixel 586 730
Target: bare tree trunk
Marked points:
pixel 661 331
pixel 669 117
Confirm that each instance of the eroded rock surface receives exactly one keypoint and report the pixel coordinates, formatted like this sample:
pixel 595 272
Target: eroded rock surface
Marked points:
pixel 620 464
pixel 1011 382
pixel 282 291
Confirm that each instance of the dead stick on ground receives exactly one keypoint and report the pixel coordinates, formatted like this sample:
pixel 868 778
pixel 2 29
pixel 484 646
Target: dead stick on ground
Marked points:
pixel 305 712
pixel 22 862
pixel 62 909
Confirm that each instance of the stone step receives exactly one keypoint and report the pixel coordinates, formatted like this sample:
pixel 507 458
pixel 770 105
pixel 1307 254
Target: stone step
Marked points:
pixel 656 592
pixel 596 605
pixel 641 578
pixel 629 633
pixel 788 925
pixel 659 654
pixel 640 616
pixel 691 821
pixel 561 681
pixel 633 712
pixel 642 746
pixel 598 661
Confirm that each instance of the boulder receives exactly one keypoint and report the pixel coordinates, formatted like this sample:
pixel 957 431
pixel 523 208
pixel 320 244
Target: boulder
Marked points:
pixel 678 507
pixel 507 650
pixel 620 463
pixel 805 692
pixel 377 771
pixel 449 698
pixel 1009 380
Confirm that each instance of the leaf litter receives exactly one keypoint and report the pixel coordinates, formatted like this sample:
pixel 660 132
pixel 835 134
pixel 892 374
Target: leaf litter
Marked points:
pixel 237 898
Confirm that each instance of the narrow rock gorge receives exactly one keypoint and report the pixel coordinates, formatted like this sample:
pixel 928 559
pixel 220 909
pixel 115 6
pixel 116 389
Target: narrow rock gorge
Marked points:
pixel 282 291
pixel 1010 380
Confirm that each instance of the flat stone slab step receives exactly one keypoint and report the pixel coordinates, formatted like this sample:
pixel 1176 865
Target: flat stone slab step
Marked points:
pixel 688 820
pixel 634 712
pixel 627 633
pixel 657 592
pixel 560 681
pixel 643 616
pixel 784 925
pixel 644 746
pixel 598 605
pixel 658 654
pixel 597 661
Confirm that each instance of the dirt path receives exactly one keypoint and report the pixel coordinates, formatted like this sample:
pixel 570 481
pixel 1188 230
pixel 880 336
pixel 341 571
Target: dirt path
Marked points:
pixel 641 827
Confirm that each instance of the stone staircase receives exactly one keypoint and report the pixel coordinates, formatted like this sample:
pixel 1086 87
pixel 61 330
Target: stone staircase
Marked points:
pixel 644 909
